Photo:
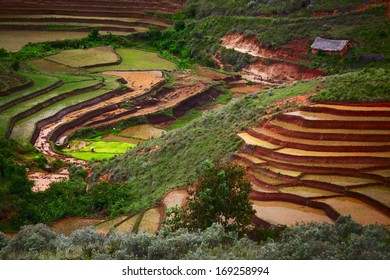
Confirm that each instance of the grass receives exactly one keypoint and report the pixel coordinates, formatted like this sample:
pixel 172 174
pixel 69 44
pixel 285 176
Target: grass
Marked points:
pixel 133 59
pixel 85 58
pixel 103 149
pixel 182 121
pixel 40 82
pixel 72 82
pixel 370 85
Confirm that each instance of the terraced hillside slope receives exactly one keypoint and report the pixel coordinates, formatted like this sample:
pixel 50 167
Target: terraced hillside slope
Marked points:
pixel 54 20
pixel 320 162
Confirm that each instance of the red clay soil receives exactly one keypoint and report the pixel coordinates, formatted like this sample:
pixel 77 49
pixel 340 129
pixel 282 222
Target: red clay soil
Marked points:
pixel 294 51
pixel 336 167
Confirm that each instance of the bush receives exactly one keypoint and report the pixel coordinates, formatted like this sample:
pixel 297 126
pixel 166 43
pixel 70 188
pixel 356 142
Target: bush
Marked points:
pixel 31 239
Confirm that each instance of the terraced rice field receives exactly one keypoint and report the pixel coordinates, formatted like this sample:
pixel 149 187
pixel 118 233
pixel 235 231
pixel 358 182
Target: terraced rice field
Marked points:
pixel 68 225
pixel 334 154
pixel 151 221
pixel 138 60
pixel 86 58
pixel 127 225
pixel 143 131
pixel 101 149
pixel 106 226
pixel 14 40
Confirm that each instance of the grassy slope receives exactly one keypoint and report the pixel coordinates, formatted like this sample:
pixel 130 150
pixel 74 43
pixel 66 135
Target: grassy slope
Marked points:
pixel 179 153
pixel 138 60
pixel 173 160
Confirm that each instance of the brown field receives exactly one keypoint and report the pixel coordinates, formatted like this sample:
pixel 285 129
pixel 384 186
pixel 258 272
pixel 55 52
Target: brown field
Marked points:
pixel 68 225
pixel 143 131
pixel 352 108
pixel 127 226
pixel 344 181
pixel 379 193
pixel 286 172
pixel 175 197
pixel 359 211
pixel 306 191
pixel 286 213
pixel 329 117
pixel 297 152
pixel 138 79
pixel 150 221
pixel 253 159
pixel 14 40
pixel 250 140
pixel 106 226
pixel 381 172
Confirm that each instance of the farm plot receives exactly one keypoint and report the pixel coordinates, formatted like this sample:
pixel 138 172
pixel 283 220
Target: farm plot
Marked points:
pixel 106 226
pixel 55 67
pixel 318 170
pixel 175 197
pixel 71 83
pixel 128 225
pixel 40 82
pixel 133 59
pixel 150 222
pixel 359 211
pixel 97 149
pixel 86 57
pixel 14 40
pixel 286 213
pixel 143 131
pixel 68 225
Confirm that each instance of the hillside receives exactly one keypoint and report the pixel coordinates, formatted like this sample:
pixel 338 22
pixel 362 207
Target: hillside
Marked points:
pixel 117 105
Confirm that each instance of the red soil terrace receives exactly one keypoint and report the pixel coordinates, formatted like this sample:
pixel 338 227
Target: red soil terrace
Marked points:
pixel 331 149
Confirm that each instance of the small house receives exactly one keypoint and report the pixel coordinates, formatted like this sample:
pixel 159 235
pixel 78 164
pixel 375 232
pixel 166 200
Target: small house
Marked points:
pixel 330 46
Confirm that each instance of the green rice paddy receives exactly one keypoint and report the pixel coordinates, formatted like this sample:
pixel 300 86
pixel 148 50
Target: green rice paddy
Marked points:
pixel 102 149
pixel 138 60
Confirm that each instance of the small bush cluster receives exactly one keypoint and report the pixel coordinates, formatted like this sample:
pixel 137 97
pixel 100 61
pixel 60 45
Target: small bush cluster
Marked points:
pixel 343 240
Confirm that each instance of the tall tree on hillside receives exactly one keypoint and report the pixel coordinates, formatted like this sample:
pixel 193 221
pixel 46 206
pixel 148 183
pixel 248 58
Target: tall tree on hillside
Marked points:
pixel 222 196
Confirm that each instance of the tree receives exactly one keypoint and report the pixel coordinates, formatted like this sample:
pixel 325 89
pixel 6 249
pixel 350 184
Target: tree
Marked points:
pixel 94 35
pixel 222 197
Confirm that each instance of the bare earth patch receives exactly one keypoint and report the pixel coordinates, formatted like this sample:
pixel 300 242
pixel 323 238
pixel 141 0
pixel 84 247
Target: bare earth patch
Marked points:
pixel 68 225
pixel 143 131
pixel 43 180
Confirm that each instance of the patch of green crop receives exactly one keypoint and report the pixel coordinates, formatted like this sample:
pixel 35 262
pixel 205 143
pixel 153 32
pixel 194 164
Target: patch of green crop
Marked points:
pixel 133 59
pixel 101 149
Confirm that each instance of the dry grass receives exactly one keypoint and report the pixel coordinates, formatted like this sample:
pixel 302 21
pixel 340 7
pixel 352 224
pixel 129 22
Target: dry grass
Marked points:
pixel 379 193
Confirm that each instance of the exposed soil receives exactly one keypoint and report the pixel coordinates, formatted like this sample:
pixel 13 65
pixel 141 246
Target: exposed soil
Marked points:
pixel 325 162
pixel 111 137
pixel 43 180
pixel 68 225
pixel 143 131
pixel 273 66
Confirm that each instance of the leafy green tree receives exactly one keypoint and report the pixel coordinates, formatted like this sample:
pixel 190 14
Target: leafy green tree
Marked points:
pixel 94 35
pixel 222 197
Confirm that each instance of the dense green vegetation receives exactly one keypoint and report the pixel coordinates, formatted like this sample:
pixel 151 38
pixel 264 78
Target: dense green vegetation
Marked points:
pixel 343 240
pixel 222 197
pixel 204 8
pixel 199 39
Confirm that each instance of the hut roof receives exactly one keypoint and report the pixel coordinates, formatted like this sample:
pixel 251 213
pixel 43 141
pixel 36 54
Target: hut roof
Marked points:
pixel 329 45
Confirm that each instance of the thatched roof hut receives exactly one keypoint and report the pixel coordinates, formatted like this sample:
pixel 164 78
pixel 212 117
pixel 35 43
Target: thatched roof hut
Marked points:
pixel 330 46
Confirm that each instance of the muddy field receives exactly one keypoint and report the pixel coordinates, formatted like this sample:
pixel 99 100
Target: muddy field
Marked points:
pixel 14 40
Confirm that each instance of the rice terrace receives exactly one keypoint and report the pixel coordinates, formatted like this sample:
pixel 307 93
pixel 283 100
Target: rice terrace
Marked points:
pixel 134 119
